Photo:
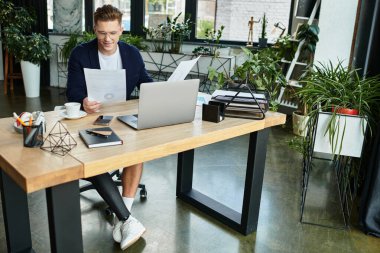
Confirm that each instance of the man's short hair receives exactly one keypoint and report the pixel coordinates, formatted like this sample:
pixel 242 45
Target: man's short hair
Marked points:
pixel 107 13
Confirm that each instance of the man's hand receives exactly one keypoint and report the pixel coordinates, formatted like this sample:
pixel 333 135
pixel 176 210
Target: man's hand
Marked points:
pixel 91 106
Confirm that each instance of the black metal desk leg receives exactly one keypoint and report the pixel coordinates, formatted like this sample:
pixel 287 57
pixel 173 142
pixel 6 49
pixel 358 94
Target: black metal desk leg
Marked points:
pixel 16 215
pixel 246 221
pixel 185 172
pixel 65 218
pixel 254 180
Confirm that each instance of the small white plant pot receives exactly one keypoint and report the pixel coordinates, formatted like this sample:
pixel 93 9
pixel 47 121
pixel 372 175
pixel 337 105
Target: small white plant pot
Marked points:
pixel 31 78
pixel 300 124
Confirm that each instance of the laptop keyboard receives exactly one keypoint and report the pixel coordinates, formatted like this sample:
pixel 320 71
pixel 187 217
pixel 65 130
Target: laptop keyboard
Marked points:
pixel 135 120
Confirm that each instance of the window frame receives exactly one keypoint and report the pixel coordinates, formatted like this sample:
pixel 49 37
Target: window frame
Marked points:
pixel 190 11
pixel 137 20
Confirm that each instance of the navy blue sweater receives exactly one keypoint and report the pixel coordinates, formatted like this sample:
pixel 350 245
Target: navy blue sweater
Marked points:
pixel 86 56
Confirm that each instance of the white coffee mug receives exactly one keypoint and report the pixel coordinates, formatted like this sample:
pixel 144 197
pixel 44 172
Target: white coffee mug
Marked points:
pixel 72 109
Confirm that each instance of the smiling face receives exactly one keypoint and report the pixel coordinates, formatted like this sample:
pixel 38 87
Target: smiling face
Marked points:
pixel 108 34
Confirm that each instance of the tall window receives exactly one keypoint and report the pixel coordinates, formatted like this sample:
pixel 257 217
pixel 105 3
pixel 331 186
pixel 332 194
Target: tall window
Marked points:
pixel 234 15
pixel 156 11
pixel 123 5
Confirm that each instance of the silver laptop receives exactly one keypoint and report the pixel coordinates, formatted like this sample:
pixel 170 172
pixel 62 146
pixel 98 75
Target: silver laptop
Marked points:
pixel 164 103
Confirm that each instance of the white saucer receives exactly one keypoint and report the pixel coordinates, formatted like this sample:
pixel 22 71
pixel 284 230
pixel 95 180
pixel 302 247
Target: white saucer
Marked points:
pixel 81 115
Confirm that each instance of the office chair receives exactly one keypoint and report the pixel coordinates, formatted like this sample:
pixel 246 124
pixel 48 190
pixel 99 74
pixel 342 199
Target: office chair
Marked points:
pixel 117 180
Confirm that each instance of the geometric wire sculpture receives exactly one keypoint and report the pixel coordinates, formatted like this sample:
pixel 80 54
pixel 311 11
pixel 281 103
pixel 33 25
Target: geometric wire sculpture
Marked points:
pixel 59 141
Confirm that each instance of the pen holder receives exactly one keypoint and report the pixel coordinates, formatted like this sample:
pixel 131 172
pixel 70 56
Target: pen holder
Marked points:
pixel 33 135
pixel 213 112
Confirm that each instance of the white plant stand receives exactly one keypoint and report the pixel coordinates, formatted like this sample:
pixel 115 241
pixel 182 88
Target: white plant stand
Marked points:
pixel 348 143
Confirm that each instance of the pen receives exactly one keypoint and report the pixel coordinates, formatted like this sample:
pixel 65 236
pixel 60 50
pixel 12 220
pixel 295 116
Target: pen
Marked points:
pixel 96 134
pixel 21 121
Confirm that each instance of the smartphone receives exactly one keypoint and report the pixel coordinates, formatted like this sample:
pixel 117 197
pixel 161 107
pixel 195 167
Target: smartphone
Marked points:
pixel 103 120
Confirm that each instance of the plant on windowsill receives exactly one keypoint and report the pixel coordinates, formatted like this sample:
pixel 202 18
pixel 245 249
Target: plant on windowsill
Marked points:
pixel 263 38
pixel 212 42
pixel 172 32
pixel 179 32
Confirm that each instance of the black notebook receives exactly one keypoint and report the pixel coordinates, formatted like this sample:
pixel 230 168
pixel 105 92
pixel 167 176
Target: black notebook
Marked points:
pixel 99 137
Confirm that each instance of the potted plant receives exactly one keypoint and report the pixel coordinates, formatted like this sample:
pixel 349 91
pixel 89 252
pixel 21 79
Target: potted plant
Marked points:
pixel 212 42
pixel 263 38
pixel 178 32
pixel 30 50
pixel 27 47
pixel 334 89
pixel 285 47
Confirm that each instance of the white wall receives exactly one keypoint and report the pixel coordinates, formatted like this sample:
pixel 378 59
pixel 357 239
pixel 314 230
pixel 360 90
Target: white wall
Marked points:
pixel 336 23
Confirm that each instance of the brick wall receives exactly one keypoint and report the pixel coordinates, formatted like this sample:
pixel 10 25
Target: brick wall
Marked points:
pixel 235 14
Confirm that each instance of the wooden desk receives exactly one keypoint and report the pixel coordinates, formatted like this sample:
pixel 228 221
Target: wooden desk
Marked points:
pixel 25 170
pixel 146 145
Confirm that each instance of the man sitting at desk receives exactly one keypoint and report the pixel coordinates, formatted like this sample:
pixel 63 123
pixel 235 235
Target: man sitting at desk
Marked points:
pixel 107 52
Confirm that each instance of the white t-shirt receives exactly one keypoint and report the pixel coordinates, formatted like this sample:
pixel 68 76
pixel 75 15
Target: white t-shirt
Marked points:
pixel 110 62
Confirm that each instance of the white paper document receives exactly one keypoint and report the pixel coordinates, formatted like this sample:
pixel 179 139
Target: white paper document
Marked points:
pixel 105 85
pixel 182 70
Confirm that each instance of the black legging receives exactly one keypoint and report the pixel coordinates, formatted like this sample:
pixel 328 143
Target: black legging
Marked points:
pixel 108 190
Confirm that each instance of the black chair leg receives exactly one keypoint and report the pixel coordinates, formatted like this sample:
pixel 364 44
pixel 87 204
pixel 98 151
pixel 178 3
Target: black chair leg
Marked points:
pixel 108 211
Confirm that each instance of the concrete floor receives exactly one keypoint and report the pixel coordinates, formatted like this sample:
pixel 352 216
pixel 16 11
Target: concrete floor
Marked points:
pixel 173 226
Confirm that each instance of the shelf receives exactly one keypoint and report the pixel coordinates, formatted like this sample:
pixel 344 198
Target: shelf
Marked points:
pixel 297 63
pixel 294 83
pixel 305 18
pixel 289 104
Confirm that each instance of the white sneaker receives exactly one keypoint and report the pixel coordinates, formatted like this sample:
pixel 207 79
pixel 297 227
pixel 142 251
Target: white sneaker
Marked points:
pixel 116 233
pixel 131 231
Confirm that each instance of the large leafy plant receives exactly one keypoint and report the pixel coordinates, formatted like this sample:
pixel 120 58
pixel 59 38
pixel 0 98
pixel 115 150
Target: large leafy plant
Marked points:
pixel 33 48
pixel 331 88
pixel 16 34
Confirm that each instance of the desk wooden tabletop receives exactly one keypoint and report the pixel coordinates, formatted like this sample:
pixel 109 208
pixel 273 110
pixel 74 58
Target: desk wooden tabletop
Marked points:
pixel 145 145
pixel 34 169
